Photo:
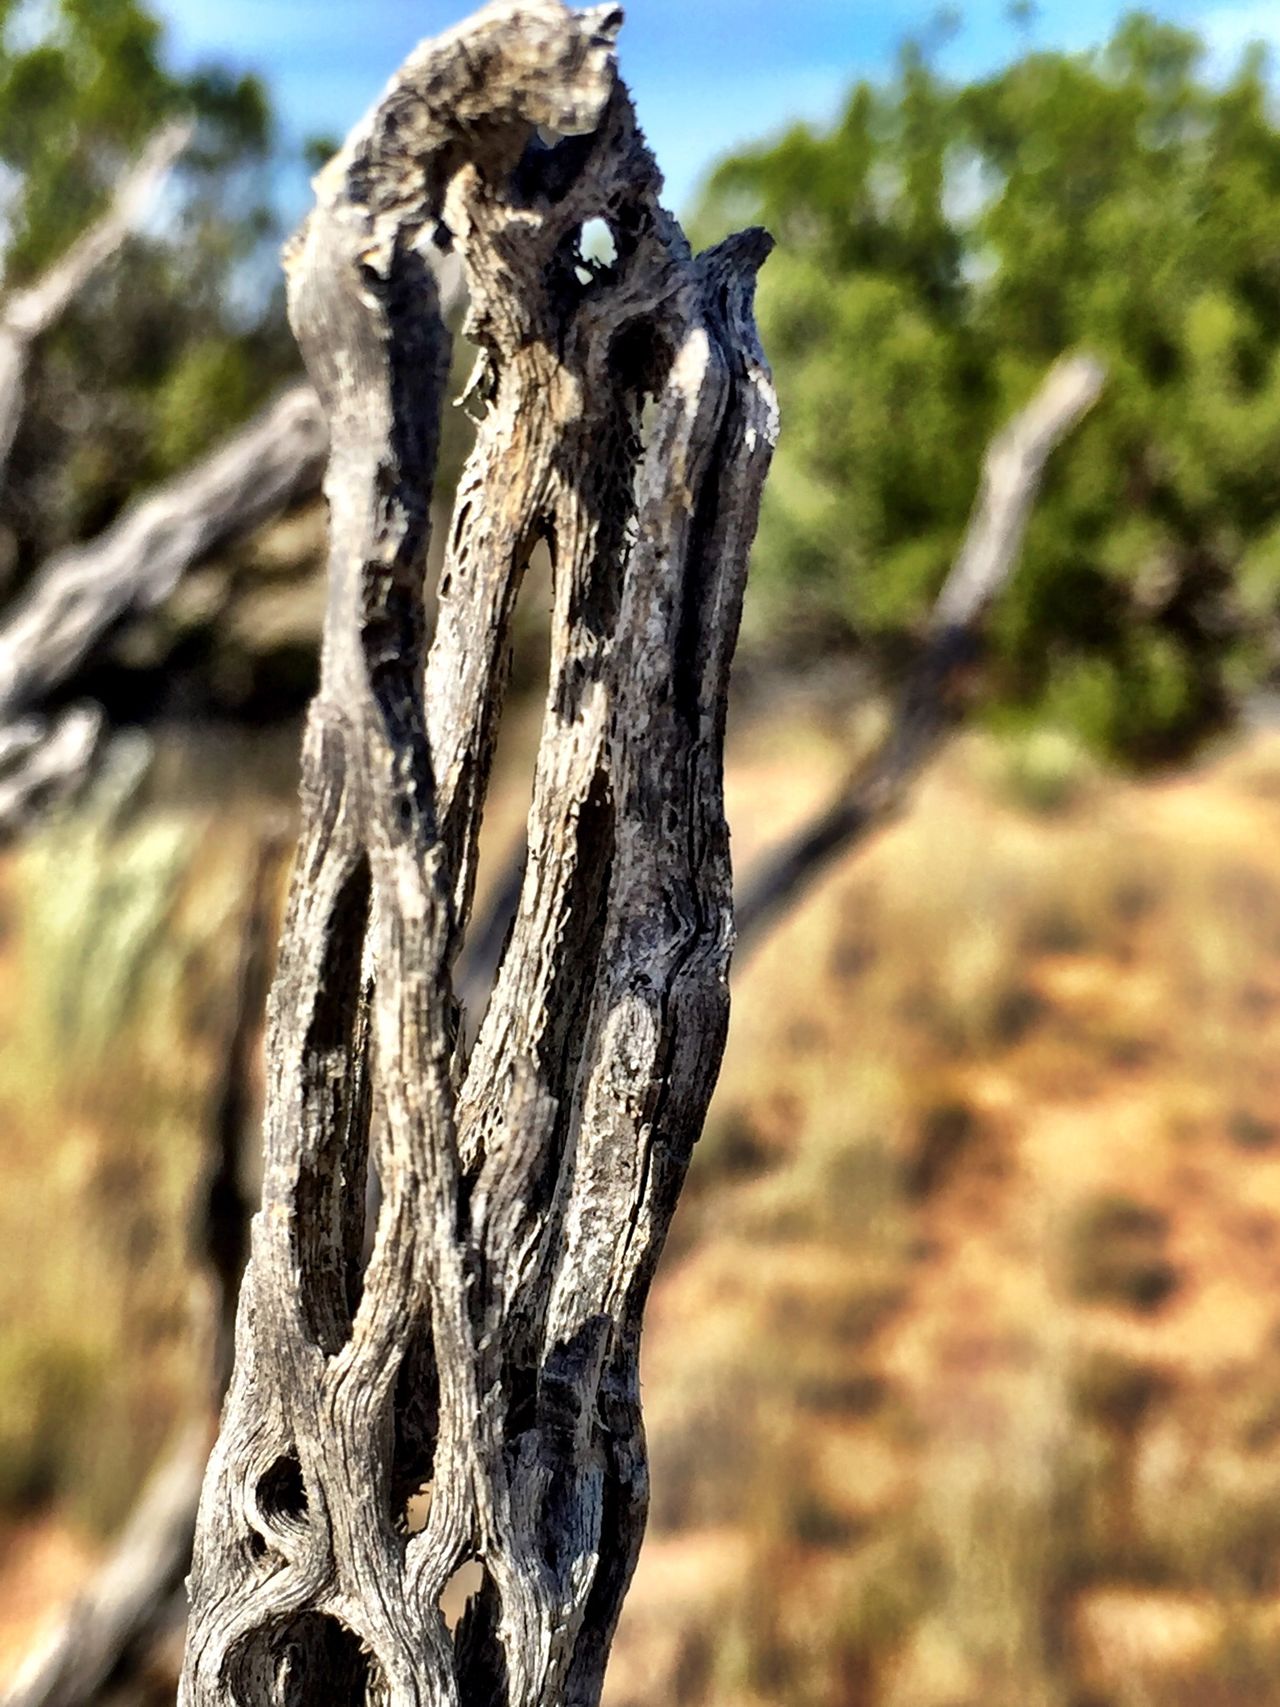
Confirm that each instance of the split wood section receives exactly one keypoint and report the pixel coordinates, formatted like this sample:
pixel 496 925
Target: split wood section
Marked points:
pixel 475 1352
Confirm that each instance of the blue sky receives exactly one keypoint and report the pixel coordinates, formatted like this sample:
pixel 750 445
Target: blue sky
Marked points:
pixel 706 74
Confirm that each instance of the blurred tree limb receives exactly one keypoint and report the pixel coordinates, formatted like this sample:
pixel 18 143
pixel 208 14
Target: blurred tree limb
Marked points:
pixel 931 699
pixel 85 591
pixel 81 596
pixel 28 313
pixel 109 1623
pixel 42 760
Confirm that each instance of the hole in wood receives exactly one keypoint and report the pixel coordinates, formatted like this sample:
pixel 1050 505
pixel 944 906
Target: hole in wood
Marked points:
pixel 502 846
pixel 303 1661
pixel 460 524
pixel 640 359
pixel 330 1197
pixel 372 1210
pixel 597 252
pixel 550 166
pixel 417 1510
pixel 282 1494
pixel 414 1424
pixel 456 1596
pixel 470 1607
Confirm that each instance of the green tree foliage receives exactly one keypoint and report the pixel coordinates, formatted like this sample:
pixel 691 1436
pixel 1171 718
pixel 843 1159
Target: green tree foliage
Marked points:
pixel 938 249
pixel 184 333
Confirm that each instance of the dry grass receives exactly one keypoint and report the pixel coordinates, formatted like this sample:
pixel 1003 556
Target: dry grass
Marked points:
pixel 118 963
pixel 963 1372
pixel 971 1313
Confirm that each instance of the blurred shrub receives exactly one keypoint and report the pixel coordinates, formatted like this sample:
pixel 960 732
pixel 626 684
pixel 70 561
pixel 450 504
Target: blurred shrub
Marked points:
pixel 1116 1254
pixel 97 908
pixel 1043 769
pixel 938 248
pixel 184 334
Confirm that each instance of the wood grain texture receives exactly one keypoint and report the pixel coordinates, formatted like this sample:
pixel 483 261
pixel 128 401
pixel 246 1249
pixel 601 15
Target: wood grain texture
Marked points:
pixel 484 1357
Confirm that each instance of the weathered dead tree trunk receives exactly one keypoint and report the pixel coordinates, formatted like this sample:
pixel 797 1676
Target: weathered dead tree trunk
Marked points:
pixel 487 1353
pixel 931 704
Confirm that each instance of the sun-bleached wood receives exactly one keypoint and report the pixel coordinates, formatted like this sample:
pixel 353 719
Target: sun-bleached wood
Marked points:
pixel 928 707
pixel 484 1358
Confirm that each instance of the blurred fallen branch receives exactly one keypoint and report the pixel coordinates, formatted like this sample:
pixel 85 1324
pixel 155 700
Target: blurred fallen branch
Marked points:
pixel 85 591
pixel 43 761
pixel 118 1610
pixel 26 314
pixel 930 704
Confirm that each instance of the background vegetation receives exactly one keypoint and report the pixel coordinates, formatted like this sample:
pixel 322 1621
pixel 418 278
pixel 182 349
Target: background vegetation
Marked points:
pixel 185 333
pixel 937 249
pixel 974 1288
